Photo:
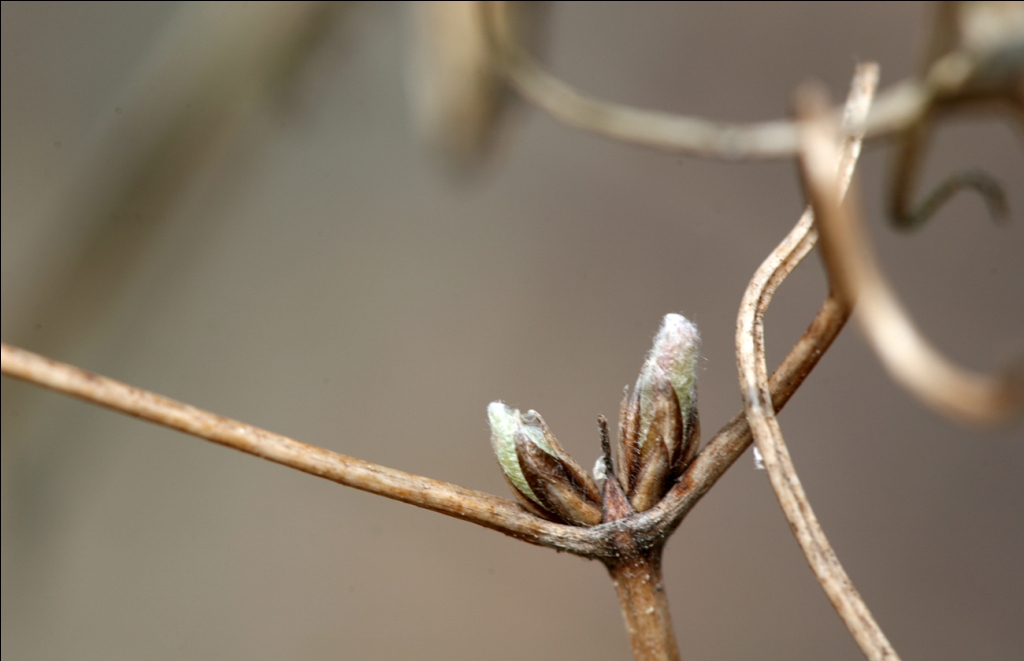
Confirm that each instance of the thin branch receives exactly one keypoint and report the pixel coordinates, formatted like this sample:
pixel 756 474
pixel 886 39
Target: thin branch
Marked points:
pixel 899 107
pixel 911 360
pixel 765 426
pixel 475 506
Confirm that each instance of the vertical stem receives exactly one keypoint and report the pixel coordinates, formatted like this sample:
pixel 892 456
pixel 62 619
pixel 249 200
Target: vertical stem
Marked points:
pixel 644 604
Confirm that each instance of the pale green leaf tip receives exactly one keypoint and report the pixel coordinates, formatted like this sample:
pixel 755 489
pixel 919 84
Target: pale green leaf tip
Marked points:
pixel 505 422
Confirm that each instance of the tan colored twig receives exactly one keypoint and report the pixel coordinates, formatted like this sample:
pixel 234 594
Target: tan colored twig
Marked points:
pixel 911 360
pixel 761 415
pixel 899 107
pixel 478 507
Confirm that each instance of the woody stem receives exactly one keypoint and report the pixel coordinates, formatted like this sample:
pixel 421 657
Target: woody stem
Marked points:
pixel 637 579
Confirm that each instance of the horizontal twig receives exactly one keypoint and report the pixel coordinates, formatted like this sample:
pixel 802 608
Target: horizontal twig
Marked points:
pixel 475 506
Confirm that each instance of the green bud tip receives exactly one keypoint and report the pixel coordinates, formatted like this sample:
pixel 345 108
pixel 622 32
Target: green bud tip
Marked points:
pixel 505 423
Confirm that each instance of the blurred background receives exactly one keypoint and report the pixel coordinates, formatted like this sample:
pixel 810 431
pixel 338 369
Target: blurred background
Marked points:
pixel 229 205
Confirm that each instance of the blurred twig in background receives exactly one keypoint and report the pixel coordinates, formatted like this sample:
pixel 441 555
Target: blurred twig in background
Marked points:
pixel 978 47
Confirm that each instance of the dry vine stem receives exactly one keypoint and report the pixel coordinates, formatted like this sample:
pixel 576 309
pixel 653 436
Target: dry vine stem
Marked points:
pixel 757 397
pixel 992 34
pixel 475 506
pixel 909 358
pixel 895 110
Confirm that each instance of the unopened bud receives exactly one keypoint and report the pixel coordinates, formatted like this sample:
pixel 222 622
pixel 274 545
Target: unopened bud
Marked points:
pixel 658 423
pixel 542 475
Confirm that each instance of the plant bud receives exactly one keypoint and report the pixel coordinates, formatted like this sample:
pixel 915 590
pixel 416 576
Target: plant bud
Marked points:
pixel 543 477
pixel 658 423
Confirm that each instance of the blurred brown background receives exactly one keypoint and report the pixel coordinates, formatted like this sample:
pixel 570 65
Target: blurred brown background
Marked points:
pixel 294 258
